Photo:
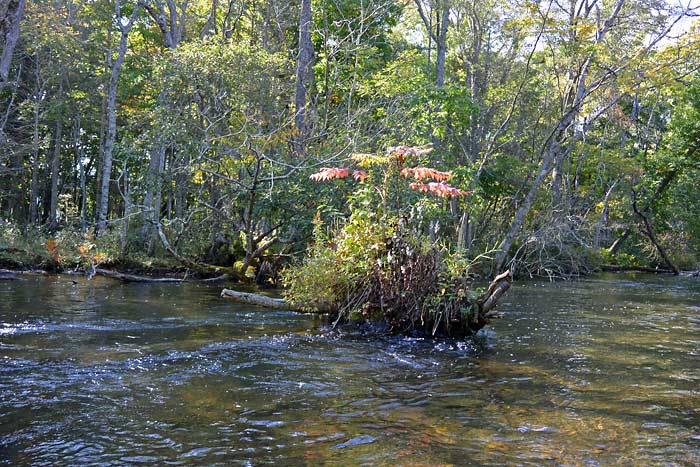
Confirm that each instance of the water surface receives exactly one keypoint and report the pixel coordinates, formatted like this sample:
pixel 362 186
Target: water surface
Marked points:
pixel 600 372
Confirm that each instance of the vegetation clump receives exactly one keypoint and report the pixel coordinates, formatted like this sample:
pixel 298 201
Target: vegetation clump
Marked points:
pixel 378 265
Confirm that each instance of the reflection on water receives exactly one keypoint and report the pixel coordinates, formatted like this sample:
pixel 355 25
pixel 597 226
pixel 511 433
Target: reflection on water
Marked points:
pixel 601 372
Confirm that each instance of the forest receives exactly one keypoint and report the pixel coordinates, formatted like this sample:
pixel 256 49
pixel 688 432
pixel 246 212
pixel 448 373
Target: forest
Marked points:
pixel 240 136
pixel 281 232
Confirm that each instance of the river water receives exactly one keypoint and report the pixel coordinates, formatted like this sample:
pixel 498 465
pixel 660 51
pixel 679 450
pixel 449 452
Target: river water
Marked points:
pixel 599 372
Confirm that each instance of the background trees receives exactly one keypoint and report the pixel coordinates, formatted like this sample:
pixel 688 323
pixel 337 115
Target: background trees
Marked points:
pixel 571 123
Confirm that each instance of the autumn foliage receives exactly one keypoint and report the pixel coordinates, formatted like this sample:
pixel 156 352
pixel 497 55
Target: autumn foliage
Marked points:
pixel 378 265
pixel 329 173
pixel 399 154
pixel 439 189
pixel 422 173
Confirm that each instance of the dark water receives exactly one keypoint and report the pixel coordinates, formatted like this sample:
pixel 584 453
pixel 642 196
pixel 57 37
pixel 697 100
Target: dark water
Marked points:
pixel 601 372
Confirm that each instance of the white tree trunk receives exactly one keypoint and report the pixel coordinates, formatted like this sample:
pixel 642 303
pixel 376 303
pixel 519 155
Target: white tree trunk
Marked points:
pixel 125 28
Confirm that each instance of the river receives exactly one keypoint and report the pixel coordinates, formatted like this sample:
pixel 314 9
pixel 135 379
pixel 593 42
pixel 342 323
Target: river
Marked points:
pixel 604 371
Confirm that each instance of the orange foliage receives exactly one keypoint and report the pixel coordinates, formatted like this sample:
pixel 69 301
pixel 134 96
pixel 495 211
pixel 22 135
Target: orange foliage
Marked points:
pixel 420 173
pixel 359 175
pixel 52 248
pixel 329 173
pixel 439 189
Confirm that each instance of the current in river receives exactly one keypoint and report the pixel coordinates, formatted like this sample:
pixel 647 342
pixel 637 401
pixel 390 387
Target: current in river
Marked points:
pixel 604 371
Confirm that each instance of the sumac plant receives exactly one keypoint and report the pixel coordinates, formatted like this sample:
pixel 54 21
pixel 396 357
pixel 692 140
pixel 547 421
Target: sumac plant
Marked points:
pixel 376 266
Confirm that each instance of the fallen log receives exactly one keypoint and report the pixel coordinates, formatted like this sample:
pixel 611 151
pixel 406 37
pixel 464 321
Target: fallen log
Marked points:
pixel 133 278
pixel 499 286
pixel 10 272
pixel 262 300
pixel 615 268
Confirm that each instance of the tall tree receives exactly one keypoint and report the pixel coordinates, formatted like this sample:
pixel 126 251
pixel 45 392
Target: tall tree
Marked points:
pixel 585 79
pixel 124 24
pixel 11 12
pixel 170 16
pixel 304 77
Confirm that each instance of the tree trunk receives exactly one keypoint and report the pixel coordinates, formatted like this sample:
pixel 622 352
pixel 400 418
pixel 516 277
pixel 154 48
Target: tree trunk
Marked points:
pixel 209 28
pixel 649 232
pixel 266 302
pixel 152 198
pixel 103 209
pixel 525 206
pixel 12 19
pixel 442 47
pixel 55 169
pixel 603 219
pixel 132 278
pixel 172 26
pixel 660 190
pixel 34 186
pixel 126 196
pixel 304 77
pixel 555 141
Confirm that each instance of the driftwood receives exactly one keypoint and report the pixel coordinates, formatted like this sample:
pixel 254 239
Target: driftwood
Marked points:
pixel 132 278
pixel 483 305
pixel 10 272
pixel 488 300
pixel 615 268
pixel 263 301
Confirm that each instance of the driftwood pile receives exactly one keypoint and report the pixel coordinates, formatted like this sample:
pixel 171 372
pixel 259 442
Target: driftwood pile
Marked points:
pixel 483 307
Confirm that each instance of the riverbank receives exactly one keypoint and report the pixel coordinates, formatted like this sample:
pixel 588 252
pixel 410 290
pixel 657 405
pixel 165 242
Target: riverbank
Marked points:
pixel 15 261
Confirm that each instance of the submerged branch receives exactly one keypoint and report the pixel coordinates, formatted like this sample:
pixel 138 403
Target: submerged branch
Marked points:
pixel 268 302
pixel 133 278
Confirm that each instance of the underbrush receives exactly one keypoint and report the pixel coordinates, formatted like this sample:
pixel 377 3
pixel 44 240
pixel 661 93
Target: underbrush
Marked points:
pixel 71 248
pixel 382 273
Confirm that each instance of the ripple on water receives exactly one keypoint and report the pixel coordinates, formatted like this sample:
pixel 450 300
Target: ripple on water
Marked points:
pixel 603 372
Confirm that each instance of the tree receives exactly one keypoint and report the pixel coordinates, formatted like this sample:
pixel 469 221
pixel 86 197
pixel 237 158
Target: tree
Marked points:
pixel 124 25
pixel 304 77
pixel 11 12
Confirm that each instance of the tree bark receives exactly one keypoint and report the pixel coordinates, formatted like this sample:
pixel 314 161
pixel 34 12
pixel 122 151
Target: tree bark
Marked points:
pixel 55 169
pixel 649 232
pixel 34 185
pixel 152 198
pixel 441 44
pixel 10 29
pixel 200 267
pixel 124 28
pixel 660 190
pixel 132 278
pixel 304 77
pixel 603 219
pixel 172 26
pixel 266 302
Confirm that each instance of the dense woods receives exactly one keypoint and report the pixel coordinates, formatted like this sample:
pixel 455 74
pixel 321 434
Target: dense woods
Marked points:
pixel 187 131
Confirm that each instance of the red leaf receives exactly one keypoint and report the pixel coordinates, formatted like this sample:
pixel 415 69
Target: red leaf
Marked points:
pixel 420 173
pixel 329 173
pixel 359 175
pixel 439 189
